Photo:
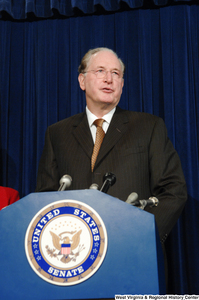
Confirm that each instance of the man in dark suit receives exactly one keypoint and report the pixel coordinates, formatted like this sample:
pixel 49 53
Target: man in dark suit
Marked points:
pixel 135 148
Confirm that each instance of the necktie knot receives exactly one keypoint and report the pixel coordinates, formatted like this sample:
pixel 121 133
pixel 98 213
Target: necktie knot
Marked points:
pixel 98 122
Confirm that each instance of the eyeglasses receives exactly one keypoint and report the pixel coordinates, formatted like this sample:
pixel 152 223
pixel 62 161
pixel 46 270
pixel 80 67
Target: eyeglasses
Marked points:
pixel 101 73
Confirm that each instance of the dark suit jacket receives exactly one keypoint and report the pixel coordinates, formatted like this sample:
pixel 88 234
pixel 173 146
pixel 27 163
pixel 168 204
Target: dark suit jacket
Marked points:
pixel 135 148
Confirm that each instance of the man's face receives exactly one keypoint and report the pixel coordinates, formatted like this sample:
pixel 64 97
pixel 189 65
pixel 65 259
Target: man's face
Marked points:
pixel 102 90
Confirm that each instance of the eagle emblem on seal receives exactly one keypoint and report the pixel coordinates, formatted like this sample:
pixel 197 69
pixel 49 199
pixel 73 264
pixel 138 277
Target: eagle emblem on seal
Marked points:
pixel 67 245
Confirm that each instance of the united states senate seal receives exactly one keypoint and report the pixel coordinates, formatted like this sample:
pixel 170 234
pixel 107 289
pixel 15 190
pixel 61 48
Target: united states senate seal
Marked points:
pixel 66 242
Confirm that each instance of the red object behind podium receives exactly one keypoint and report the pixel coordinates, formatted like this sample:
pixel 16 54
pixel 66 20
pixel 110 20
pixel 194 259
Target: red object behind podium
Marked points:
pixel 8 196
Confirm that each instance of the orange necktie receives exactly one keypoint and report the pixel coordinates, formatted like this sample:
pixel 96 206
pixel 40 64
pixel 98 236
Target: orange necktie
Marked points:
pixel 99 138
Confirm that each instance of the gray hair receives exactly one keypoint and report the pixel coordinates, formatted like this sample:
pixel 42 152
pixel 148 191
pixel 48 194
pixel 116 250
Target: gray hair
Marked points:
pixel 86 59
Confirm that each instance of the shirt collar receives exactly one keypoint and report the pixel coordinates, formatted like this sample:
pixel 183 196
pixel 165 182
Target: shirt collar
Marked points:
pixel 91 117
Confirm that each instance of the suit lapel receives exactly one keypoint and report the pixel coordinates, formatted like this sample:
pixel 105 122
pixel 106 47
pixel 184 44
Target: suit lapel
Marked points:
pixel 116 130
pixel 82 134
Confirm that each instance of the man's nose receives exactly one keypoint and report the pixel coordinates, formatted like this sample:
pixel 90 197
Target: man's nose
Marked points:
pixel 108 76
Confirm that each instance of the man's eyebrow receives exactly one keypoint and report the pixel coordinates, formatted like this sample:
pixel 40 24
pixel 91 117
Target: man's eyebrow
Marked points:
pixel 103 67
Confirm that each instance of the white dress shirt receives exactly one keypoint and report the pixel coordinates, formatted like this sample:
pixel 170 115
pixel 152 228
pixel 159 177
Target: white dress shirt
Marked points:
pixel 91 118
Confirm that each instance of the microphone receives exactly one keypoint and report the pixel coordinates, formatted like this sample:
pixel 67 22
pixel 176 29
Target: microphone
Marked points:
pixel 152 201
pixel 109 180
pixel 94 186
pixel 132 199
pixel 65 182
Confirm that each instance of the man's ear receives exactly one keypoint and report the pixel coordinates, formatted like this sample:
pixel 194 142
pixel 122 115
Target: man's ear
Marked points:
pixel 81 79
pixel 123 83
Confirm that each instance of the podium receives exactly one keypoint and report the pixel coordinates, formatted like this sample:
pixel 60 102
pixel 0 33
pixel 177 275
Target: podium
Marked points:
pixel 132 264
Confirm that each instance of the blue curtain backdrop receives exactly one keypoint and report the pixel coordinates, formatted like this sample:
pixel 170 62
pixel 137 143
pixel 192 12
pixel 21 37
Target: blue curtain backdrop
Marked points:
pixel 39 58
pixel 19 9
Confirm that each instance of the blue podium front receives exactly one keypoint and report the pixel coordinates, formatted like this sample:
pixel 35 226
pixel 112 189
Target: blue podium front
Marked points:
pixel 121 256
